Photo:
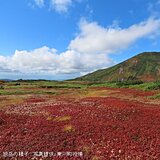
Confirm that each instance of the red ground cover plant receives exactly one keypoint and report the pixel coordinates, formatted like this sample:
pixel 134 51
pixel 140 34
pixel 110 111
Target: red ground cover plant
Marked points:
pixel 100 127
pixel 133 92
pixel 35 100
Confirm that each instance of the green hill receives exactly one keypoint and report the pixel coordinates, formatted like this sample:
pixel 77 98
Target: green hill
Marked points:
pixel 143 67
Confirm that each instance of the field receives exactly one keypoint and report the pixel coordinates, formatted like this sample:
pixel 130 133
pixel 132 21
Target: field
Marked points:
pixel 79 121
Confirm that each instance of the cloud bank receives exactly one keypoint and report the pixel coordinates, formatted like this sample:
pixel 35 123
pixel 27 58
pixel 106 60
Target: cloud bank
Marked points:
pixel 88 51
pixel 94 38
pixel 48 60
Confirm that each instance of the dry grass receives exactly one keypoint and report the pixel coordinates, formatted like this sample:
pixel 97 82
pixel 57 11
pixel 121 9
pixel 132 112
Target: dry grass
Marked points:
pixel 68 128
pixel 58 119
pixel 11 100
pixel 86 150
pixel 61 119
pixel 49 118
pixel 95 158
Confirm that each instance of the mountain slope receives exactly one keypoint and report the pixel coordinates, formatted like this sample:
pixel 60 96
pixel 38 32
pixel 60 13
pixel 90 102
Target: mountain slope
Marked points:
pixel 143 67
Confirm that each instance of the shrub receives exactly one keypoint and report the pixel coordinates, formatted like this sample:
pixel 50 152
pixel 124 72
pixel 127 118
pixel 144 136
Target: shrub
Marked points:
pixel 128 83
pixel 1 87
pixel 155 86
pixel 17 84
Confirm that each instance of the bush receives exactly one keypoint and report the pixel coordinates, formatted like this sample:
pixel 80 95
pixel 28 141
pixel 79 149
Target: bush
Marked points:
pixel 17 84
pixel 1 87
pixel 128 83
pixel 155 86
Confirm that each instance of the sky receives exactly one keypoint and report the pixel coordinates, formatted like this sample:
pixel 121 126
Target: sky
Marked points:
pixel 64 39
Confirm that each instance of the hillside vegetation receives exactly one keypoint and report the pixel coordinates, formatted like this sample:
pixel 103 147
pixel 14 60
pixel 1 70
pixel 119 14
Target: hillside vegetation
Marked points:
pixel 144 67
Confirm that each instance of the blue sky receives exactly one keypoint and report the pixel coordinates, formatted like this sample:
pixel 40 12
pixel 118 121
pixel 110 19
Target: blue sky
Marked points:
pixel 61 39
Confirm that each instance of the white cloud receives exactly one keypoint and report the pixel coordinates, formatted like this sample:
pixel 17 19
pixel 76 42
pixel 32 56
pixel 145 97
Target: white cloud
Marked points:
pixel 44 59
pixel 89 50
pixel 94 38
pixel 61 5
pixel 39 3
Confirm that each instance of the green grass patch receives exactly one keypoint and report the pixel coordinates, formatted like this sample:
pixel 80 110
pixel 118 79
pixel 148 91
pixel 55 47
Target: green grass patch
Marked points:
pixel 62 85
pixel 129 84
pixel 147 86
pixel 157 96
pixel 23 92
pixel 103 84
